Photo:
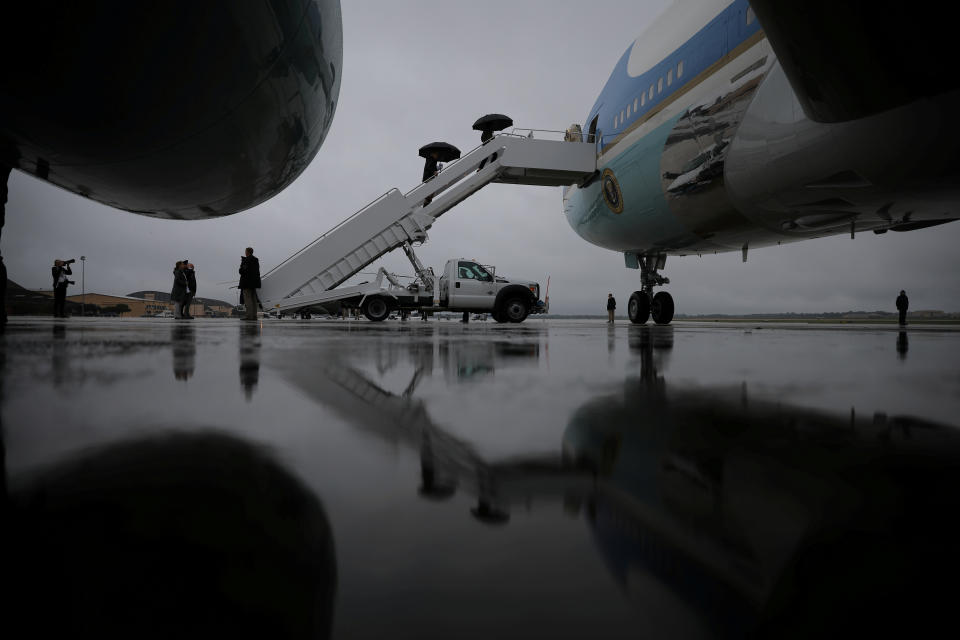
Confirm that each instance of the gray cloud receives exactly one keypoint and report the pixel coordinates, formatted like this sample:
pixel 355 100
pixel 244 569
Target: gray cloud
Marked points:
pixel 420 71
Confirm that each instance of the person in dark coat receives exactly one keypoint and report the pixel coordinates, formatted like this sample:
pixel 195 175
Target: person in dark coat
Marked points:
pixel 191 288
pixel 485 137
pixel 611 306
pixel 902 304
pixel 179 291
pixel 60 271
pixel 250 282
pixel 431 167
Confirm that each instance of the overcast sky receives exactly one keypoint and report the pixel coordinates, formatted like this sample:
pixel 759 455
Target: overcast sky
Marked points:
pixel 419 71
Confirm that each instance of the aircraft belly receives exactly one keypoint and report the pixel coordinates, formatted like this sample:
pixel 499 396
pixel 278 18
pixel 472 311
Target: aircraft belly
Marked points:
pixel 179 110
pixel 802 179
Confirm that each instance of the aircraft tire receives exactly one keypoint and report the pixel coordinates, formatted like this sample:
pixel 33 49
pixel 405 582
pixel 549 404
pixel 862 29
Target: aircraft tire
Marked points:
pixel 515 309
pixel 376 308
pixel 662 308
pixel 638 308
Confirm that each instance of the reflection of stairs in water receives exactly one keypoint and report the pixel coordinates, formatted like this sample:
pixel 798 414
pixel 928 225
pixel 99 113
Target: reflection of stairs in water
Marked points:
pixel 398 418
pixel 401 417
pixel 407 412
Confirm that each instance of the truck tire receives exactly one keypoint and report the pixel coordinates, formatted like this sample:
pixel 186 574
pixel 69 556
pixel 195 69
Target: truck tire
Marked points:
pixel 515 309
pixel 499 316
pixel 376 308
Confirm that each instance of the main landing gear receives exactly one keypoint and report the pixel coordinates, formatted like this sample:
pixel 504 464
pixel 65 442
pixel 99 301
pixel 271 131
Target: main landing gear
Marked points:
pixel 644 304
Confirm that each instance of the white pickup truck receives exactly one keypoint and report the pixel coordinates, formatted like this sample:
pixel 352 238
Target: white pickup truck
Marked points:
pixel 465 285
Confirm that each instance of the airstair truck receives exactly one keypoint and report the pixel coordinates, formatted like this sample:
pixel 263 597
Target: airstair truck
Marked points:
pixel 465 285
pixel 395 220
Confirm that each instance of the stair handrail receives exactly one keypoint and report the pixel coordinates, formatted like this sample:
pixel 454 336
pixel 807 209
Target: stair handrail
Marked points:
pixel 447 166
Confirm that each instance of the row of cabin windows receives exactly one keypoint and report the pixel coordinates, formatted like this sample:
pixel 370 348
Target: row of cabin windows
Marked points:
pixel 646 96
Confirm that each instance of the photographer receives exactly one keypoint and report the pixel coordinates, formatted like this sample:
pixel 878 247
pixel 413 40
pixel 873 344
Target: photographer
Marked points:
pixel 60 270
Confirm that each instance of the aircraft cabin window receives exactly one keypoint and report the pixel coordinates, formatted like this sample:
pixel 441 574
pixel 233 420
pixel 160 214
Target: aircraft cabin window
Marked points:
pixel 614 122
pixel 643 98
pixel 634 105
pixel 670 77
pixel 628 111
pixel 621 117
pixel 650 97
pixel 750 15
pixel 679 69
pixel 660 85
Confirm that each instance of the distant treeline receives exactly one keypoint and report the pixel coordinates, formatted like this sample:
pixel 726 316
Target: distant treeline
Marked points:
pixel 825 315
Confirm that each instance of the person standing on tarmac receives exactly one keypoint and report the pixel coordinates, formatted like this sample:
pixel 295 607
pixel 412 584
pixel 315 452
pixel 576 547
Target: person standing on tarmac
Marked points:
pixel 191 288
pixel 902 304
pixel 178 294
pixel 250 282
pixel 60 271
pixel 611 306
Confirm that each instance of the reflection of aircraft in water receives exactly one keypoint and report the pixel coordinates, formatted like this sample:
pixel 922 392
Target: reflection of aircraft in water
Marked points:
pixel 762 516
pixel 199 535
pixel 746 516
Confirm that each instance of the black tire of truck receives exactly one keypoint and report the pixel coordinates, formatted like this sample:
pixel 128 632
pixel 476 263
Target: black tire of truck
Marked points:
pixel 515 308
pixel 376 308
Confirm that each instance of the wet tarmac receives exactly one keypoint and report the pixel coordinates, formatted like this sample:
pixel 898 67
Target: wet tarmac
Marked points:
pixel 550 479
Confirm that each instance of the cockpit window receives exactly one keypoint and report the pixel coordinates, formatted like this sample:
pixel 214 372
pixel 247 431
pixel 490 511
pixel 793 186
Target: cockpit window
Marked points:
pixel 473 271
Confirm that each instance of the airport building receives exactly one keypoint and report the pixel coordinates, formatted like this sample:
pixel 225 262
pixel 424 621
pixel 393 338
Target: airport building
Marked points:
pixel 139 307
pixel 147 304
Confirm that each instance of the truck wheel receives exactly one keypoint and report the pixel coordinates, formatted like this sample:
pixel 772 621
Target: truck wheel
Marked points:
pixel 515 309
pixel 499 316
pixel 376 309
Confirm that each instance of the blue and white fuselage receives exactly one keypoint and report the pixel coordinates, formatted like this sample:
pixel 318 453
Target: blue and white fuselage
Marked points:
pixel 704 145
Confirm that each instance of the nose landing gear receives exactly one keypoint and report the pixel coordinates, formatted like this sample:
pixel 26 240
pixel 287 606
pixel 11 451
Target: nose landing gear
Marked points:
pixel 644 304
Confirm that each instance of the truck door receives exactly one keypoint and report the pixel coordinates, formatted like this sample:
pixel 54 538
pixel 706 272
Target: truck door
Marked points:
pixel 473 287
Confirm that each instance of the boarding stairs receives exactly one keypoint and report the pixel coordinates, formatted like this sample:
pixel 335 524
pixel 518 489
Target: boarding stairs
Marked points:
pixel 396 220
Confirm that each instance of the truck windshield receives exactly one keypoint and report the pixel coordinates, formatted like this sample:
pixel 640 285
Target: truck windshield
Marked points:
pixel 473 271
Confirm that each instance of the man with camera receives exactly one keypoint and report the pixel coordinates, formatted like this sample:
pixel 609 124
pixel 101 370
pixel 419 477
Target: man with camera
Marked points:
pixel 60 270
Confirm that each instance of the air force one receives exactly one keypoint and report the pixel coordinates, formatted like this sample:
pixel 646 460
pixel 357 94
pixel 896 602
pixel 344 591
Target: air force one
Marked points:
pixel 173 109
pixel 728 126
